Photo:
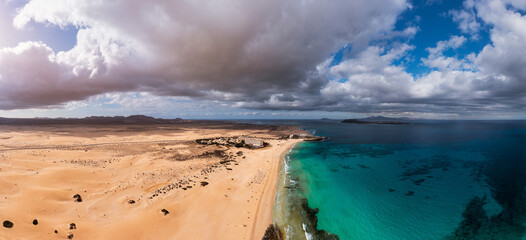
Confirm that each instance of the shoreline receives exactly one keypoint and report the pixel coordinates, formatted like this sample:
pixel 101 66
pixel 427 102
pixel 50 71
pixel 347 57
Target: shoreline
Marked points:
pixel 264 214
pixel 295 219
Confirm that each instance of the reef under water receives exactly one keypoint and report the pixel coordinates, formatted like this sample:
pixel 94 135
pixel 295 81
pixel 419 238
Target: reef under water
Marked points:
pixel 426 180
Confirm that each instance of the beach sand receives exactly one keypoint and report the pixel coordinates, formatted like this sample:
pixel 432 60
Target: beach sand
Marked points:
pixel 126 175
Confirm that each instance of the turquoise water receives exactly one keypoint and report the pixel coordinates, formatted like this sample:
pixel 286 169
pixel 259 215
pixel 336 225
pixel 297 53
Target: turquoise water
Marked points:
pixel 426 180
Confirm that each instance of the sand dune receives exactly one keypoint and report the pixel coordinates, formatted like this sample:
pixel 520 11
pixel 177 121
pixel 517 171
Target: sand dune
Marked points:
pixel 136 181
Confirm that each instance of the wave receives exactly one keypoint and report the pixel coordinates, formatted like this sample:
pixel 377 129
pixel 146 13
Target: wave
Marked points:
pixel 292 213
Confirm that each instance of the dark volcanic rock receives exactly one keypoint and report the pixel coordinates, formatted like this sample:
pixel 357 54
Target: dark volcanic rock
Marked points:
pixel 8 224
pixel 312 226
pixel 165 212
pixel 272 233
pixel 72 226
pixel 203 183
pixel 70 235
pixel 131 201
pixel 35 222
pixel 314 139
pixel 77 198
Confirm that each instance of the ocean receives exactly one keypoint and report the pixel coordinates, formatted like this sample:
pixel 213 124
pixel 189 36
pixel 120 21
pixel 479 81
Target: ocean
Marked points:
pixel 424 180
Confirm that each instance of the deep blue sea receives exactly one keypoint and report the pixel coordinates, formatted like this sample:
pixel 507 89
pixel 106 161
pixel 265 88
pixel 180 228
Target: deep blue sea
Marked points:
pixel 425 180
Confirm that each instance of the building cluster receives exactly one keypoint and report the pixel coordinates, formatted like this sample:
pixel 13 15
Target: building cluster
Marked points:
pixel 234 142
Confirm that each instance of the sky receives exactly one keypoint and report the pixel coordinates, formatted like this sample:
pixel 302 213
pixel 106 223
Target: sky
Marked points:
pixel 272 59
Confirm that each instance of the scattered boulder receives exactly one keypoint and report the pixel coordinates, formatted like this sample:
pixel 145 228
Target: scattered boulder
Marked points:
pixel 56 231
pixel 272 233
pixel 77 198
pixel 35 222
pixel 8 224
pixel 409 193
pixel 131 201
pixel 165 212
pixel 72 226
pixel 70 235
pixel 311 225
pixel 203 183
pixel 391 190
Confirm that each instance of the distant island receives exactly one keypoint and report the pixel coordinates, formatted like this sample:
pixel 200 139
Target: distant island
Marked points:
pixel 377 120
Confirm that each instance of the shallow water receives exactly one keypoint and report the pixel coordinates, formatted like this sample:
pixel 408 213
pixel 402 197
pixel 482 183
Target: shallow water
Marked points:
pixel 426 180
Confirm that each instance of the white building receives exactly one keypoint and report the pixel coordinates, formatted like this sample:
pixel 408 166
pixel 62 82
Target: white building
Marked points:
pixel 254 142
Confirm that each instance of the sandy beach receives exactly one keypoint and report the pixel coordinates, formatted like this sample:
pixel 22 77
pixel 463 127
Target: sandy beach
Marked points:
pixel 137 181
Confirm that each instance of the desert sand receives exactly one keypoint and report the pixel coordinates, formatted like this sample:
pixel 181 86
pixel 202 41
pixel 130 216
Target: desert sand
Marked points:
pixel 136 181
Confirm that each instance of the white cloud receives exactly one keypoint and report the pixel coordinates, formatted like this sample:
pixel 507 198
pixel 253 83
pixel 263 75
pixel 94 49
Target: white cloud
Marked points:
pixel 503 61
pixel 224 50
pixel 265 55
pixel 436 58
pixel 467 19
pixel 371 77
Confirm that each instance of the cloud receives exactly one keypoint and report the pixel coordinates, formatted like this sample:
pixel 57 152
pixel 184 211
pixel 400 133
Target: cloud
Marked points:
pixel 369 83
pixel 266 55
pixel 467 19
pixel 493 80
pixel 218 50
pixel 504 59
pixel 30 73
pixel 436 58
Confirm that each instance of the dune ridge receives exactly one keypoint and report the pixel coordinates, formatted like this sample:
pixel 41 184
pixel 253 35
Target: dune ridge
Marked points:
pixel 137 181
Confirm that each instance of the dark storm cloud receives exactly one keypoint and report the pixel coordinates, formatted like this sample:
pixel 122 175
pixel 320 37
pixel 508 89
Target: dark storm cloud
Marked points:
pixel 266 55
pixel 224 50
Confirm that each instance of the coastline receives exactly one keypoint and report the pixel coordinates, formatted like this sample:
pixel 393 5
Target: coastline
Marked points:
pixel 264 214
pixel 293 216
